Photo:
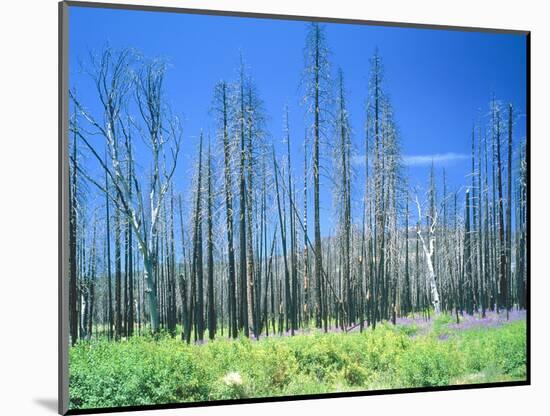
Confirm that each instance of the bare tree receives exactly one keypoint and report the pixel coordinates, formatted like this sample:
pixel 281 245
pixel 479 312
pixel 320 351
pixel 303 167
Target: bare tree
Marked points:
pixel 113 77
pixel 210 249
pixel 73 277
pixel 428 248
pixel 503 284
pixel 221 107
pixel 317 96
pixel 342 173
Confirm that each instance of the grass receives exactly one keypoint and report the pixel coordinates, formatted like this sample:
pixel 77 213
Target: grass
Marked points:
pixel 143 370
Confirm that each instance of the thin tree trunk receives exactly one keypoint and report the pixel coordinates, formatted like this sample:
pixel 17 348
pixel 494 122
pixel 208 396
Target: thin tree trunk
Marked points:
pixel 210 254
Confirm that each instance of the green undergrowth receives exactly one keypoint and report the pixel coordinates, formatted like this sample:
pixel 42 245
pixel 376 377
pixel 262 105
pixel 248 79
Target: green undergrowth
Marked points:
pixel 143 370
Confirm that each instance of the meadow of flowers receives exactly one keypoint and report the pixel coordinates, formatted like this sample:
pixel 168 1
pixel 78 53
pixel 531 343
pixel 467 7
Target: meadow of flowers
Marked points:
pixel 416 352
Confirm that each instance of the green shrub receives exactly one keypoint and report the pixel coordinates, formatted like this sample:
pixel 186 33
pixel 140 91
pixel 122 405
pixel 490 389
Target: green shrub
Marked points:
pixel 504 348
pixel 429 363
pixel 355 374
pixel 147 370
pixel 138 371
pixel 231 386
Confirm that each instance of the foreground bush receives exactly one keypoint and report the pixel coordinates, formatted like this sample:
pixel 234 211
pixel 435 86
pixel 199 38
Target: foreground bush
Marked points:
pixel 144 371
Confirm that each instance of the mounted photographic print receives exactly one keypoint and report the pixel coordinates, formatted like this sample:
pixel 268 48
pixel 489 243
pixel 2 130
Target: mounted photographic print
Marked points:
pixel 262 207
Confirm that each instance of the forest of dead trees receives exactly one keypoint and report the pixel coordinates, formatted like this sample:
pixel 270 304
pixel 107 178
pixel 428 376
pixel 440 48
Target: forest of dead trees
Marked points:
pixel 241 250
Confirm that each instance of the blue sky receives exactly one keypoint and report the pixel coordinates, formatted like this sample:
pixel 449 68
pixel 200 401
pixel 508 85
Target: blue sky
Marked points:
pixel 438 81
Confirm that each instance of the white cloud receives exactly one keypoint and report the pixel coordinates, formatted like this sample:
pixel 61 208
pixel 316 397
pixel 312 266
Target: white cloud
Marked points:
pixel 437 159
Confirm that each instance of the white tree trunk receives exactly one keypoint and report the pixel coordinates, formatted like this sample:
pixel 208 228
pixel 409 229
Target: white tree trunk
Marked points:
pixel 431 273
pixel 428 252
pixel 150 289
